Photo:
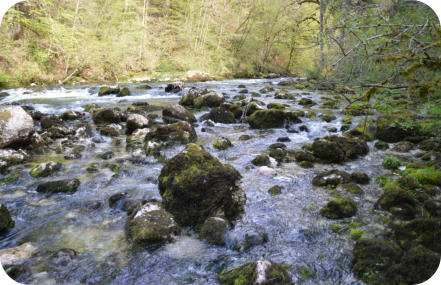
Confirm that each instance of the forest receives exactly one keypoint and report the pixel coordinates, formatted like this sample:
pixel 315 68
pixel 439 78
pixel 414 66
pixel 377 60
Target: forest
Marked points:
pixel 232 142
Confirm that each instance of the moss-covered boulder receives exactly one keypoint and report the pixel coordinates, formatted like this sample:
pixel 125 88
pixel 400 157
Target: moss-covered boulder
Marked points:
pixel 275 190
pixel 351 188
pixel 331 178
pixel 366 130
pixel 301 155
pixel 16 127
pixel 136 121
pixel 123 92
pixel 59 186
pixel 234 108
pixel 6 221
pixel 180 132
pixel 213 230
pixel 151 226
pixel 418 265
pixel 278 106
pixel 419 231
pixel 137 138
pixel 174 113
pixel 267 119
pixel 174 87
pixel 335 149
pixel 339 208
pixel 396 127
pixel 261 160
pixel 360 178
pixel 373 258
pixel 198 98
pixel 105 116
pixel 45 169
pixel 70 115
pixel 306 102
pixel 358 109
pixel 112 130
pixel 107 90
pixel 220 115
pixel 257 272
pixel 222 144
pixel 9 157
pixel 195 185
pixel 328 118
pixel 399 202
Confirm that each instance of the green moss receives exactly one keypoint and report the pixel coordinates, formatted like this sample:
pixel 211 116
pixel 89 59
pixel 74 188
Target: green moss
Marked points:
pixel 356 234
pixel 222 144
pixel 427 176
pixel 261 160
pixel 11 177
pixel 391 163
pixel 6 221
pixel 339 208
pixel 278 106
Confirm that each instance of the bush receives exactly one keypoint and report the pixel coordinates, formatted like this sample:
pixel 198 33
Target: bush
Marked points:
pixel 391 163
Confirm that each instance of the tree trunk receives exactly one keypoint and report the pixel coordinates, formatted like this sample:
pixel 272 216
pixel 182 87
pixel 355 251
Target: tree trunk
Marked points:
pixel 322 57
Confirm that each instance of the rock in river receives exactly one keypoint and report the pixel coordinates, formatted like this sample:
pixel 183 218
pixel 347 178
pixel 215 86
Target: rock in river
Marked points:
pixel 6 221
pixel 174 113
pixel 195 185
pixel 16 127
pixel 65 186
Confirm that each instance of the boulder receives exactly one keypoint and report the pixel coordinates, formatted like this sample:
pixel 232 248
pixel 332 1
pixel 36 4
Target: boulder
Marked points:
pixel 174 87
pixel 45 169
pixel 331 178
pixel 261 160
pixel 112 130
pixel 419 231
pixel 360 178
pixel 393 128
pixel 6 222
pixel 151 226
pixel 105 116
pixel 123 92
pixel 213 230
pixel 137 138
pixel 136 121
pixel 70 115
pixel 49 121
pixel 16 127
pixel 222 144
pixel 220 115
pixel 399 202
pixel 267 119
pixel 174 113
pixel 195 185
pixel 181 132
pixel 339 208
pixel 107 90
pixel 256 273
pixel 335 149
pixel 418 265
pixel 197 98
pixel 9 157
pixel 59 186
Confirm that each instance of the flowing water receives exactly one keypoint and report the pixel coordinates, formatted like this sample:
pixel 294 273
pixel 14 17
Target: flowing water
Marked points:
pixel 297 235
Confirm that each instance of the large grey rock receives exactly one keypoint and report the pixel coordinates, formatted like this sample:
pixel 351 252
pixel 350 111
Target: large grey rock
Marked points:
pixel 174 113
pixel 16 127
pixel 136 121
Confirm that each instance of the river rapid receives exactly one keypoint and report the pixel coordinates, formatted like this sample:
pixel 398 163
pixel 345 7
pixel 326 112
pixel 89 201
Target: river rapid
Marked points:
pixel 297 235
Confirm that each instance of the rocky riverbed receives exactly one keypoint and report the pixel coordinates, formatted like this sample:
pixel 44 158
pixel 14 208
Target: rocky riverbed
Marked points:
pixel 254 180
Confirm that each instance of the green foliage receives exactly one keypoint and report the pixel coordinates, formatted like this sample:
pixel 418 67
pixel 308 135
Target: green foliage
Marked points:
pixel 391 163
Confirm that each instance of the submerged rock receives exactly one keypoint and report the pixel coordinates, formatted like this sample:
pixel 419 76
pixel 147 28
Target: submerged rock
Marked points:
pixel 222 144
pixel 213 230
pixel 107 90
pixel 151 226
pixel 174 87
pixel 267 119
pixel 335 149
pixel 174 113
pixel 6 222
pixel 105 115
pixel 339 208
pixel 16 127
pixel 254 273
pixel 195 185
pixel 331 178
pixel 45 169
pixel 64 186
pixel 220 115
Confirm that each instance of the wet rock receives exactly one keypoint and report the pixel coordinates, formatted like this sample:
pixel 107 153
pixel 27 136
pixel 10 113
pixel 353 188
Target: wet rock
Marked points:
pixel 70 115
pixel 151 226
pixel 136 121
pixel 236 109
pixel 59 132
pixel 390 127
pixel 198 97
pixel 174 87
pixel 116 199
pixel 50 121
pixel 306 164
pixel 112 130
pixel 144 87
pixel 360 178
pixel 335 149
pixel 331 178
pixel 399 202
pixel 307 102
pixel 222 144
pixel 403 146
pixel 45 169
pixel 279 154
pixel 174 113
pixel 257 272
pixel 213 230
pixel 366 130
pixel 432 144
pixel 59 186
pixel 105 115
pixel 339 208
pixel 6 222
pixel 275 190
pixel 420 231
pixel 277 106
pixel 180 132
pixel 17 255
pixel 251 108
pixel 261 160
pixel 433 207
pixel 220 115
pixel 107 90
pixel 265 170
pixel 123 92
pixel 301 155
pixel 137 138
pixel 106 155
pixel 372 258
pixel 351 188
pixel 328 118
pixel 16 127
pixel 62 257
pixel 381 145
pixel 266 90
pixel 267 119
pixel 245 137
pixel 9 157
pixel 195 185
pixel 283 139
